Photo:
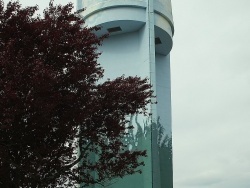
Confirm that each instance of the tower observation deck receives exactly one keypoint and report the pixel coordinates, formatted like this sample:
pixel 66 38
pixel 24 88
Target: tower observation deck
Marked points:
pixel 139 45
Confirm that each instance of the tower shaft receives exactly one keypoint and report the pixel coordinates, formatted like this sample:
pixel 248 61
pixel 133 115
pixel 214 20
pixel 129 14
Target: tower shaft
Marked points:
pixel 139 45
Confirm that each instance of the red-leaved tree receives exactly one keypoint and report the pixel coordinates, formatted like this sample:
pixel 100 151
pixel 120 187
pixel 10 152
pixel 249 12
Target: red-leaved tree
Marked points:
pixel 59 125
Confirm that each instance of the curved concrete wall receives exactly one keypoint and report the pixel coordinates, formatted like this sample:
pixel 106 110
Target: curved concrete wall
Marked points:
pixel 130 16
pixel 161 7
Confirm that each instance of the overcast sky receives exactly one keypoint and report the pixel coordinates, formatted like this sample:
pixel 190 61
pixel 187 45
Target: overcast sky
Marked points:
pixel 211 93
pixel 210 70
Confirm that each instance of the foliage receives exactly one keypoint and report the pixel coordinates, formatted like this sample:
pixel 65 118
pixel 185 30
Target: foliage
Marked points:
pixel 55 113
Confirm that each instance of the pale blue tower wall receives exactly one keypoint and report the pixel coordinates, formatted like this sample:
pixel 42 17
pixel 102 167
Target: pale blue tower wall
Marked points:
pixel 130 52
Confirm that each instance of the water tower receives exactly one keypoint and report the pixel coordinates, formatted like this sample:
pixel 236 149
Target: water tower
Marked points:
pixel 139 44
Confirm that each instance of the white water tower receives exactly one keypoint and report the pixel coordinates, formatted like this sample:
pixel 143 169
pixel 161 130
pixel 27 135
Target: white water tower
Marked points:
pixel 139 44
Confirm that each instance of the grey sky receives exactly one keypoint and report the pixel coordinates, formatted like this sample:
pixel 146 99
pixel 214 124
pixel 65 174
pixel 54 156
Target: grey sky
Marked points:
pixel 210 64
pixel 210 93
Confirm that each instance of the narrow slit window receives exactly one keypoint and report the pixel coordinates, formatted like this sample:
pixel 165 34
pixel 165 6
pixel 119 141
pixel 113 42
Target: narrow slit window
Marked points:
pixel 158 40
pixel 114 29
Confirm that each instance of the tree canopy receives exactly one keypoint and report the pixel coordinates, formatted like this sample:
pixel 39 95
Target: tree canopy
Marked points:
pixel 60 125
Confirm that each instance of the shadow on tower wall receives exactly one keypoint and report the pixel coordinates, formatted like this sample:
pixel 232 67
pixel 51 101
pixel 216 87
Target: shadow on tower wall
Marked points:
pixel 159 167
pixel 161 148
